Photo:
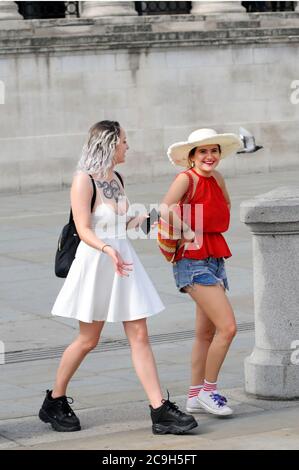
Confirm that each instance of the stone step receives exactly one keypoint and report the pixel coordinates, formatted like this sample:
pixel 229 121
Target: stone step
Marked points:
pixel 138 32
pixel 86 35
pixel 238 24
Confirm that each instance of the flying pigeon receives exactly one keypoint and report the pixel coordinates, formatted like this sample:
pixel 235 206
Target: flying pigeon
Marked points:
pixel 248 142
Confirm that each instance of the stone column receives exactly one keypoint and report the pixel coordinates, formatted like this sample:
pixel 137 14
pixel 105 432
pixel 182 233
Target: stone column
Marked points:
pixel 216 8
pixel 112 8
pixel 272 370
pixel 297 7
pixel 9 11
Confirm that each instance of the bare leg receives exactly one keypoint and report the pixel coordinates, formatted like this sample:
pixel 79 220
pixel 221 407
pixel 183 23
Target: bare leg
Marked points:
pixel 143 360
pixel 204 334
pixel 214 302
pixel 74 354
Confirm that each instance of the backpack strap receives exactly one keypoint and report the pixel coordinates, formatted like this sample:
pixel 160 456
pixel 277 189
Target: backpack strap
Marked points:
pixel 94 196
pixel 93 200
pixel 121 180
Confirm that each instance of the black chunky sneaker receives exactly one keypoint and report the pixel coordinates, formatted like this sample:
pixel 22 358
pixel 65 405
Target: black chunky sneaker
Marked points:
pixel 58 412
pixel 168 419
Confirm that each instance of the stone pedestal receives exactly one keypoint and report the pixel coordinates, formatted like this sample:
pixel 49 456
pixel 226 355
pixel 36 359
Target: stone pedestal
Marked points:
pixel 9 11
pixel 216 8
pixel 272 370
pixel 99 9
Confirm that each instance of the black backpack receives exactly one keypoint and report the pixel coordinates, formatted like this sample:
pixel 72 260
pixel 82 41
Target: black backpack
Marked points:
pixel 69 240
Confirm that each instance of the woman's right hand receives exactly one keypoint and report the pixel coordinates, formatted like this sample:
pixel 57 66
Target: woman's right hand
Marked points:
pixel 120 266
pixel 190 239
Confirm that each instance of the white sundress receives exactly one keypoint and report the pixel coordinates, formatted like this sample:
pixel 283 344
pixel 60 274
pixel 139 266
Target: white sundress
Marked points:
pixel 93 291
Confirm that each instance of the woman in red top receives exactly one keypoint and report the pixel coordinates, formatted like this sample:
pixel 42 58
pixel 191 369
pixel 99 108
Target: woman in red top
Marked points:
pixel 199 261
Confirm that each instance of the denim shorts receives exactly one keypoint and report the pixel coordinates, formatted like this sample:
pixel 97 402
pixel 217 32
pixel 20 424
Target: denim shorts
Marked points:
pixel 208 272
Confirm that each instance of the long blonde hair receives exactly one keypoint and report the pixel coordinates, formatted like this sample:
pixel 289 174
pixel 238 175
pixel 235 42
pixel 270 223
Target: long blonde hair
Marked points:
pixel 99 149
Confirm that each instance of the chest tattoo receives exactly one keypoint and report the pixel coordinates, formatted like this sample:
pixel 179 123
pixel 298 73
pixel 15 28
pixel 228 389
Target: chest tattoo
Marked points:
pixel 111 189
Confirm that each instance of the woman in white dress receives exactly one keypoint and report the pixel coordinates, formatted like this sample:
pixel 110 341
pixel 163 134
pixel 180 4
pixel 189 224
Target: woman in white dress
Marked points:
pixel 107 282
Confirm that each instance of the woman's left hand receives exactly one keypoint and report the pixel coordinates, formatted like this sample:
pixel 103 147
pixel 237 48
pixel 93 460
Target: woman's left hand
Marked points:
pixel 137 221
pixel 140 218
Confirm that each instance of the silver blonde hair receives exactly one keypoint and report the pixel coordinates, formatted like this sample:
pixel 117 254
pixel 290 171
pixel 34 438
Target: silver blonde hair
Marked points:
pixel 99 150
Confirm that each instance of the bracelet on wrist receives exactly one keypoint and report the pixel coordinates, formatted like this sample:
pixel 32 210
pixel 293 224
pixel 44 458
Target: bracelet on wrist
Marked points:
pixel 102 249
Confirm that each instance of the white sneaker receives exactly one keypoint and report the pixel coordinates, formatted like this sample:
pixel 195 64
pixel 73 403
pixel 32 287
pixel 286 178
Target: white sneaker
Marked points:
pixel 214 403
pixel 192 406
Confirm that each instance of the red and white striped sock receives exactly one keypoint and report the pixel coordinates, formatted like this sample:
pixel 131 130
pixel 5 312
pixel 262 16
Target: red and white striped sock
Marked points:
pixel 209 386
pixel 194 391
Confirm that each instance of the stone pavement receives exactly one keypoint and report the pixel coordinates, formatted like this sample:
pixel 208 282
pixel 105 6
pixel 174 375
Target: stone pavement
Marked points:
pixel 108 397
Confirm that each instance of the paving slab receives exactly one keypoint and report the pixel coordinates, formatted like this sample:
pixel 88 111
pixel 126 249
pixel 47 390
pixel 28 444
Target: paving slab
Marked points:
pixel 108 396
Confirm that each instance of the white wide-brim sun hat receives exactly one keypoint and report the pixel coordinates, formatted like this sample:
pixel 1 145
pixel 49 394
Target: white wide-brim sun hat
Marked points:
pixel 179 151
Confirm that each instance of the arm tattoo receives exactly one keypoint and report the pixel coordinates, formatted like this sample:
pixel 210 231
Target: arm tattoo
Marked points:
pixel 110 189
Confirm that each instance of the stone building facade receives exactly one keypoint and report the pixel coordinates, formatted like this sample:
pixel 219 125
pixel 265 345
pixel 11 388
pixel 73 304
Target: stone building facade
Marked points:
pixel 161 76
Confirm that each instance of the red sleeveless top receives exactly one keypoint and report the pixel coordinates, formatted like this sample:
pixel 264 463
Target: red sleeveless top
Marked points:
pixel 216 218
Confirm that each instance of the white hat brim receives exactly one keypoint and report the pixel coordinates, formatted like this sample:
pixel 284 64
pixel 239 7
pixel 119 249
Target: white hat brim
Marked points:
pixel 179 151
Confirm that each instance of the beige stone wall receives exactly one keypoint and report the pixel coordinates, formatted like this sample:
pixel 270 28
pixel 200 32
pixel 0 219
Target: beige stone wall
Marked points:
pixel 159 95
